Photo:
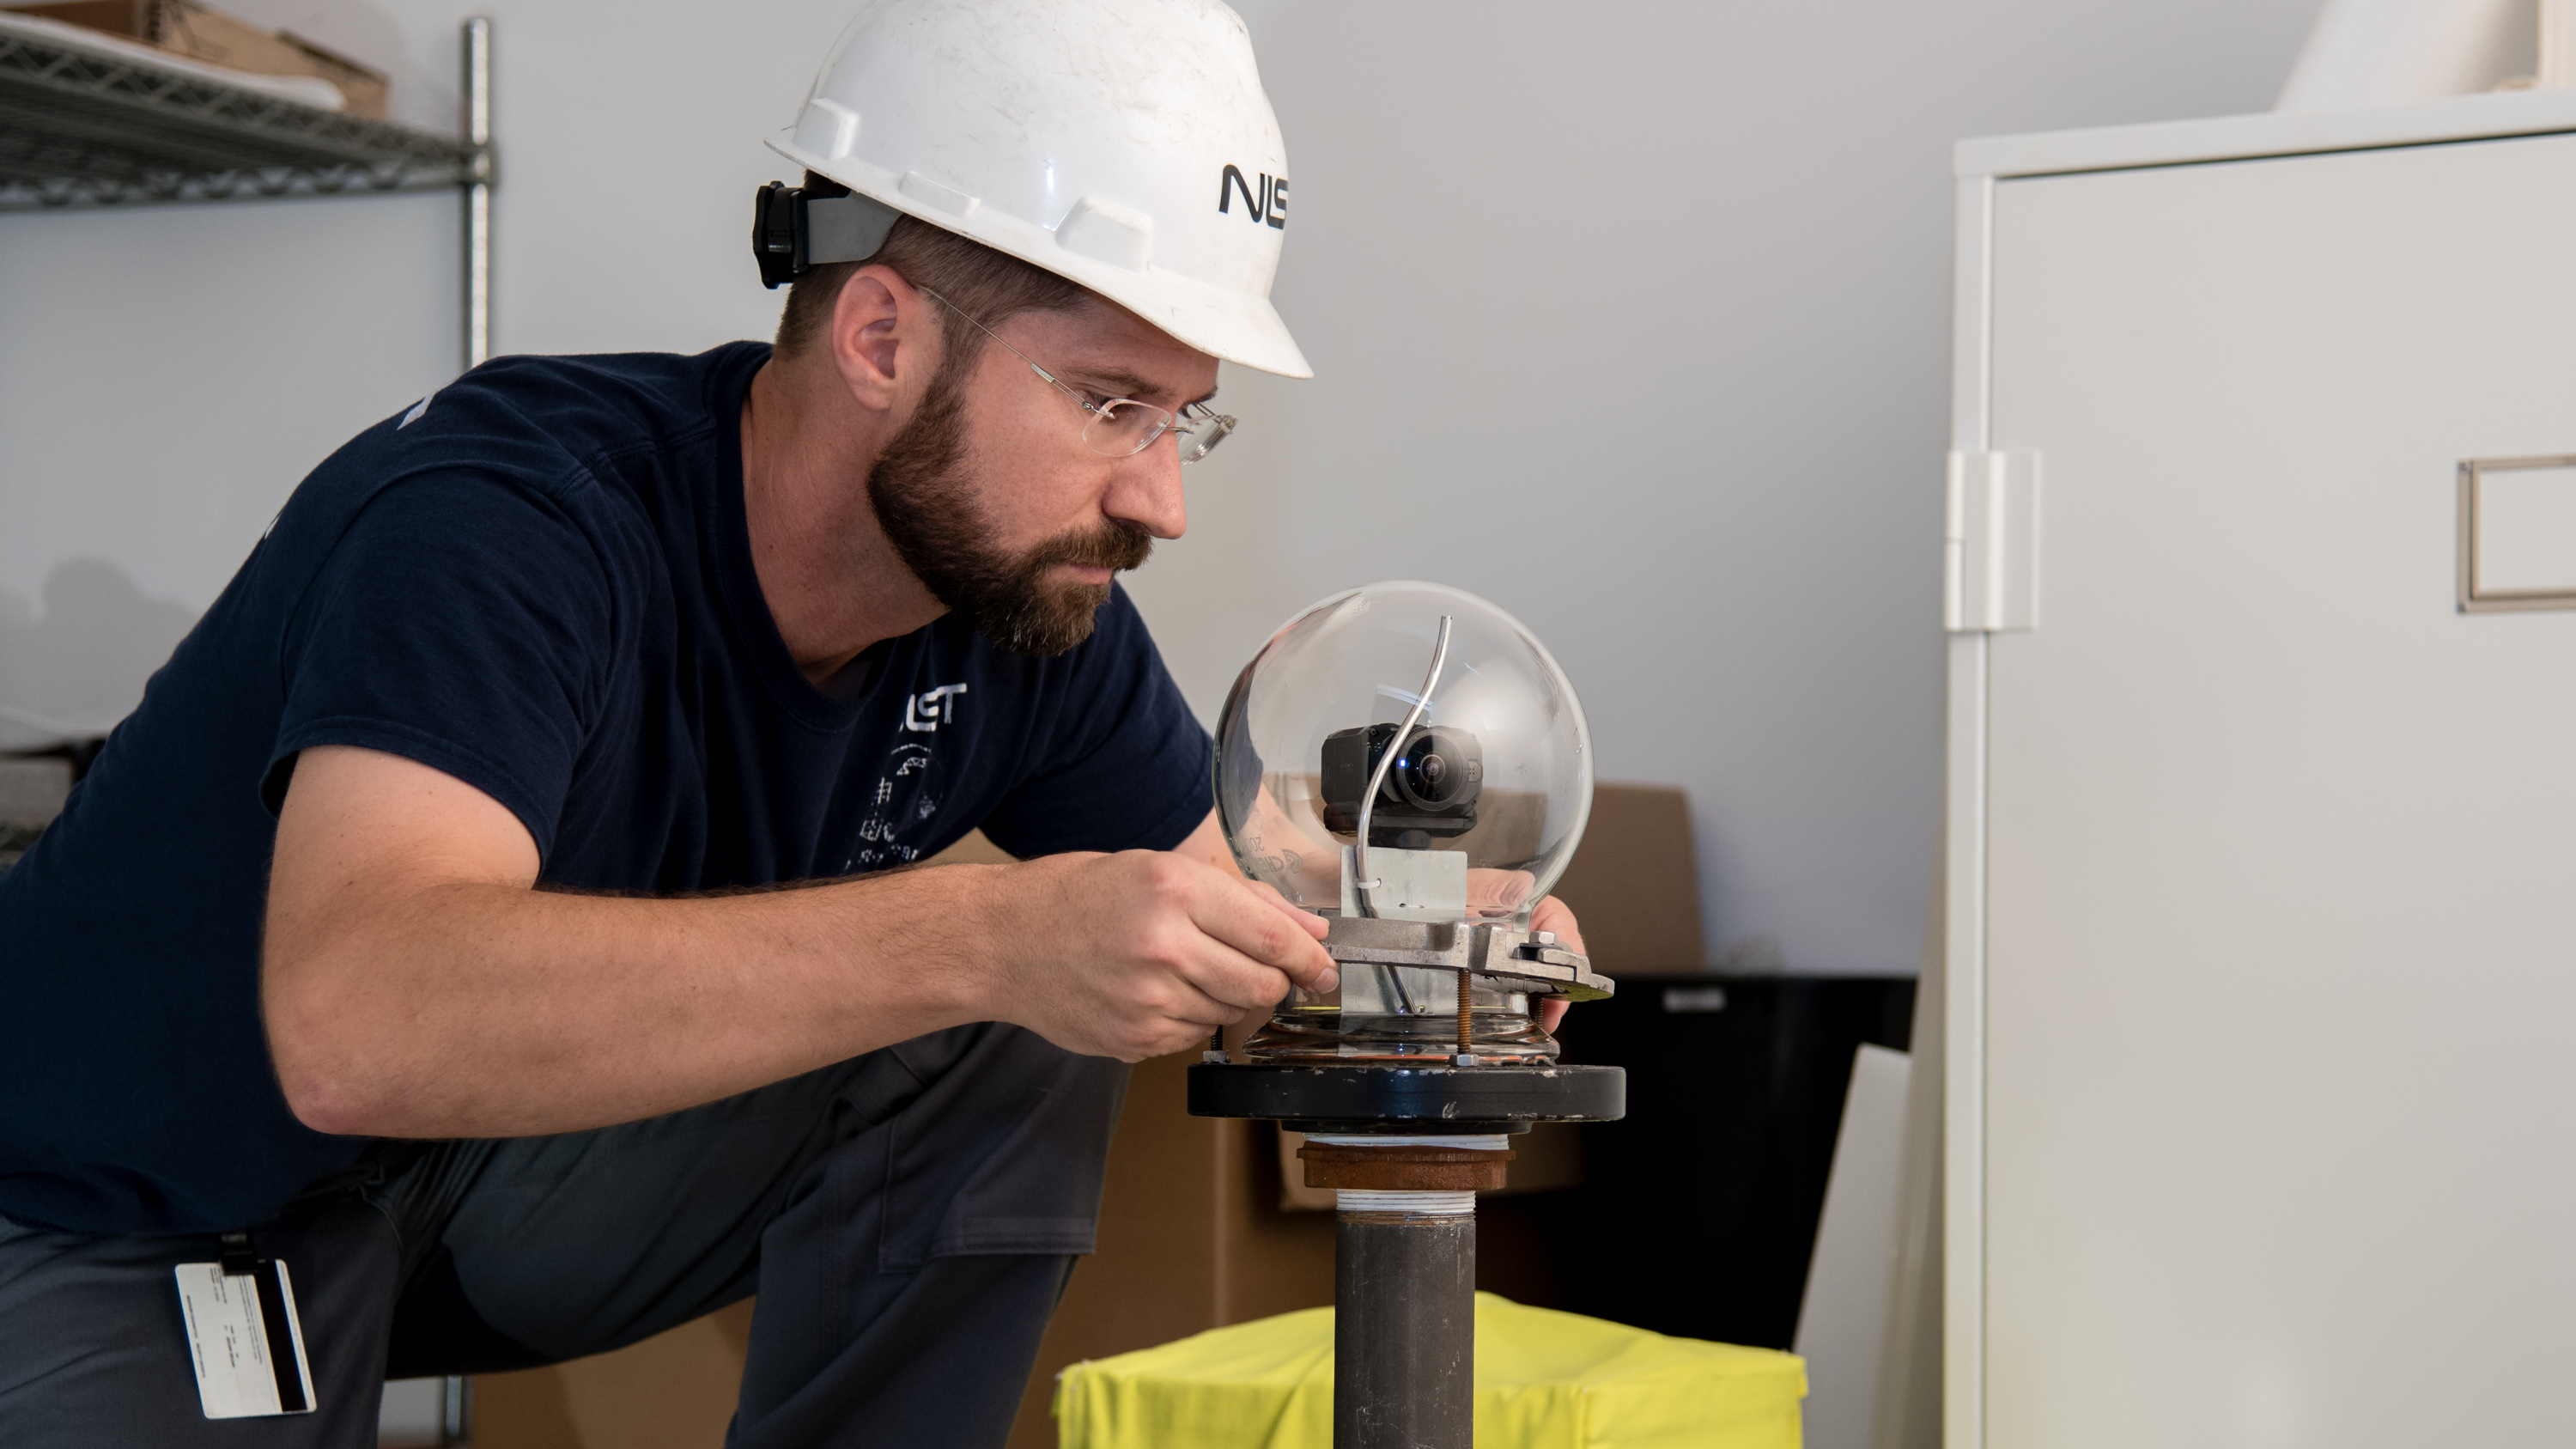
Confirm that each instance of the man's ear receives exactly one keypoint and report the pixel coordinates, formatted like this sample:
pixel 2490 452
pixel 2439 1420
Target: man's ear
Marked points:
pixel 884 338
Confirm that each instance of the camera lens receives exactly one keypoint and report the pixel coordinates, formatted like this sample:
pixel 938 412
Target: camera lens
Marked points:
pixel 1428 774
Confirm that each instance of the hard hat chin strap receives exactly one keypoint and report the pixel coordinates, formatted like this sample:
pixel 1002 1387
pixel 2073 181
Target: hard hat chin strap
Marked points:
pixel 795 229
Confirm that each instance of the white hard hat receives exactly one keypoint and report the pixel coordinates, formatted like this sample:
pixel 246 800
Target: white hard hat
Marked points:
pixel 1123 144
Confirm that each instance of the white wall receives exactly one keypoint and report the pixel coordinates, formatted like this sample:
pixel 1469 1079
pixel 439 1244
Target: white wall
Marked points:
pixel 1630 316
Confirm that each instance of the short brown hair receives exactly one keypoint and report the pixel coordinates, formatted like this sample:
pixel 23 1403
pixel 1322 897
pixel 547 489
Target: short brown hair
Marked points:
pixel 988 284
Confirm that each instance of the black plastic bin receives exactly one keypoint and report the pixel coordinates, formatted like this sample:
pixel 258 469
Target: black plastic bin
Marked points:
pixel 1698 1212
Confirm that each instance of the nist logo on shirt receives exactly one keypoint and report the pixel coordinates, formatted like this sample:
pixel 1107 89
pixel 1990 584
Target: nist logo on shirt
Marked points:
pixel 931 708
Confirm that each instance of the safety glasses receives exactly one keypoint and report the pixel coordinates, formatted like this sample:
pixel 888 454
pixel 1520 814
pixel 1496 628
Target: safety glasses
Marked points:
pixel 1120 427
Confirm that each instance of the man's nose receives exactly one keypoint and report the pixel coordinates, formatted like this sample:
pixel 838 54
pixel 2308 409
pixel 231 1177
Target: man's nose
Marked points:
pixel 1145 490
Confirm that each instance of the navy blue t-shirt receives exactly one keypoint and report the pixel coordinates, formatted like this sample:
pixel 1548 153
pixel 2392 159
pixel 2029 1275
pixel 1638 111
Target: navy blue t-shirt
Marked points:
pixel 540 582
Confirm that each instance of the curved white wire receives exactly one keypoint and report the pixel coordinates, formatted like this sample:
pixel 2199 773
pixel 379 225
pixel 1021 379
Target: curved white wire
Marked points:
pixel 1367 883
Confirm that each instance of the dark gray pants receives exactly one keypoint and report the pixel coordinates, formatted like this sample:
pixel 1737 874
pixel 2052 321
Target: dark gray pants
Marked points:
pixel 908 1219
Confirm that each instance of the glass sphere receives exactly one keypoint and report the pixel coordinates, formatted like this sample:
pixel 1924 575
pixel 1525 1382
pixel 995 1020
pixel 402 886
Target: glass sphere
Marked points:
pixel 1482 806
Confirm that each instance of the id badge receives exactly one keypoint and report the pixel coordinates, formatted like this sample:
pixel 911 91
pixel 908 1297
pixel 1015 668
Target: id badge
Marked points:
pixel 244 1340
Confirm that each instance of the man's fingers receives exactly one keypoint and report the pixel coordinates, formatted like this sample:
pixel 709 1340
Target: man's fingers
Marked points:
pixel 1171 1018
pixel 1307 921
pixel 1204 1010
pixel 1553 915
pixel 1235 982
pixel 1137 1041
pixel 1498 890
pixel 1326 975
pixel 1254 920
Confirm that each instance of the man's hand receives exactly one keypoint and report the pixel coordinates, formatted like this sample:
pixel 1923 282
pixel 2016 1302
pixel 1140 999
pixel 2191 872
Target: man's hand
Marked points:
pixel 1552 915
pixel 1492 890
pixel 1145 952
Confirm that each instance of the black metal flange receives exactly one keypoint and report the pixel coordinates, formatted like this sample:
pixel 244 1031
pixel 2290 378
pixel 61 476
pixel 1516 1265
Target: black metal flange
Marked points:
pixel 1408 1100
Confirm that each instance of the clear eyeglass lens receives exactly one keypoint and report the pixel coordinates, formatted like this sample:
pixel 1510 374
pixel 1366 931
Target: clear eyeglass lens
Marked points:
pixel 1119 429
pixel 1122 429
pixel 1205 434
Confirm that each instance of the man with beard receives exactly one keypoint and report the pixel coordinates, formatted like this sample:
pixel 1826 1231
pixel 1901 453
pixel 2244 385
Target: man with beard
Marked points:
pixel 427 929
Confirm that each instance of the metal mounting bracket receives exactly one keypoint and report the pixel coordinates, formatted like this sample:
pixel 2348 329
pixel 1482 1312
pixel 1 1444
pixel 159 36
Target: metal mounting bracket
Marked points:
pixel 1990 543
pixel 1527 961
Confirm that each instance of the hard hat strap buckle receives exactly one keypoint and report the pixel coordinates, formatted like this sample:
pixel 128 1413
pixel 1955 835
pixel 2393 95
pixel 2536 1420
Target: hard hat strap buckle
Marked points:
pixel 795 229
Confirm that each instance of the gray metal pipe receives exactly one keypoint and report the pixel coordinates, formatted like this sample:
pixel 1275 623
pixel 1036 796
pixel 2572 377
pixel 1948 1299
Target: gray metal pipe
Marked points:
pixel 477 100
pixel 1404 1331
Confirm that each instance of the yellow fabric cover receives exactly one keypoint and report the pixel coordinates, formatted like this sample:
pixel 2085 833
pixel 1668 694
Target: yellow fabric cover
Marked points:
pixel 1544 1380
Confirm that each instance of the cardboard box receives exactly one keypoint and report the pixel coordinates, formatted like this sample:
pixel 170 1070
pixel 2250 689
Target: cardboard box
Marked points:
pixel 1634 882
pixel 675 1390
pixel 200 32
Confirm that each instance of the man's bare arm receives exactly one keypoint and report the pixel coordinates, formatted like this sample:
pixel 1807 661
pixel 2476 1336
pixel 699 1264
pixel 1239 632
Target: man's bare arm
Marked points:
pixel 415 984
pixel 1207 843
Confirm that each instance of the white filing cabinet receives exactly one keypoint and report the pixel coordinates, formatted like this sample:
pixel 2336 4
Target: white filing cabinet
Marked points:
pixel 2260 1098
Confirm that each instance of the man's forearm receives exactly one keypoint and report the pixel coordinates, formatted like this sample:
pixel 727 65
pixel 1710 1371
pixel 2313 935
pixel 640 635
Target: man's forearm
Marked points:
pixel 472 1009
pixel 415 984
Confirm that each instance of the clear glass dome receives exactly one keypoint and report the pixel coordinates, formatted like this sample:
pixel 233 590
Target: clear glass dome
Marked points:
pixel 1497 769
pixel 1472 819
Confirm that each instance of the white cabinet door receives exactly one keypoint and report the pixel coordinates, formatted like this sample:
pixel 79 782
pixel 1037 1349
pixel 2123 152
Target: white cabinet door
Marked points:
pixel 2280 1093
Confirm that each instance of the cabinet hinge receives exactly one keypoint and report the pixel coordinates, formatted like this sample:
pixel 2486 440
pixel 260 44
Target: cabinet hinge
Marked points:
pixel 1990 543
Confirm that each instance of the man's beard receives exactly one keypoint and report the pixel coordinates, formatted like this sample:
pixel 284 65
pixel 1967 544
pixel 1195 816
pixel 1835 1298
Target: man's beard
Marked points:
pixel 923 503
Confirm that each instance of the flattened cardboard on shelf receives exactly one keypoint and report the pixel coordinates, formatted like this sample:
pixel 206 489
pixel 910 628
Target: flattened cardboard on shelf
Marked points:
pixel 203 33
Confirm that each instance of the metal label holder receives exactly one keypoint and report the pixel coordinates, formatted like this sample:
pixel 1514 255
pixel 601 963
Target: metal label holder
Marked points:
pixel 2475 597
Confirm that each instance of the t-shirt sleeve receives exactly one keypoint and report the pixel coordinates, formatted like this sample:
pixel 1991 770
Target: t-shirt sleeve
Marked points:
pixel 462 621
pixel 1122 765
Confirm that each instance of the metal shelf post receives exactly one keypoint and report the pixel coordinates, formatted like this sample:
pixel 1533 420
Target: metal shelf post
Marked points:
pixel 93 126
pixel 477 92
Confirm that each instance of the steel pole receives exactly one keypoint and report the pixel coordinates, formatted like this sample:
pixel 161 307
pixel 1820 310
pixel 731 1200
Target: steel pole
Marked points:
pixel 478 192
pixel 1404 1331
